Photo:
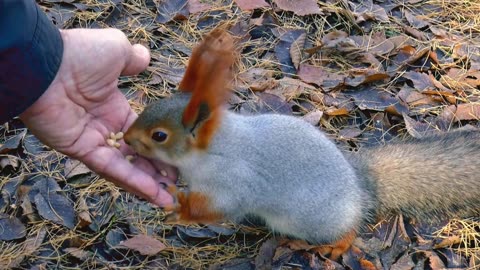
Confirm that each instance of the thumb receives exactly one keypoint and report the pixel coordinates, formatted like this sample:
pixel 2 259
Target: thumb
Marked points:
pixel 139 60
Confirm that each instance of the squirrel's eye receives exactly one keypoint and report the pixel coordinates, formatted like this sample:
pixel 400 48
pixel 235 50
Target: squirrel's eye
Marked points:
pixel 159 136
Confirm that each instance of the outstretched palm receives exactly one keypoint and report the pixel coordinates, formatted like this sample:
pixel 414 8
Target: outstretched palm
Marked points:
pixel 83 105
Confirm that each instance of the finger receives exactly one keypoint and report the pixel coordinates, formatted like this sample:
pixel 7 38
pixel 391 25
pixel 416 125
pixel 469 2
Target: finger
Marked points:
pixel 112 165
pixel 169 171
pixel 138 61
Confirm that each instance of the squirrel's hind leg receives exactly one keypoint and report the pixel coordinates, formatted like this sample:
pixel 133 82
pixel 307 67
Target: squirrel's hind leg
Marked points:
pixel 338 248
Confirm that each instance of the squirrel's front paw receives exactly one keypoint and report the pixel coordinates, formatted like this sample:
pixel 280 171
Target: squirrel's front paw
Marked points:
pixel 190 207
pixel 172 215
pixel 172 210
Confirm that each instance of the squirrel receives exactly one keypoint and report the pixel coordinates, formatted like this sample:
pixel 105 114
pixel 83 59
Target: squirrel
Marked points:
pixel 286 171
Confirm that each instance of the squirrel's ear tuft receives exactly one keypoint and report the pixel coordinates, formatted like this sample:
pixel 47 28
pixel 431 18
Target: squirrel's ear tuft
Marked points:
pixel 208 77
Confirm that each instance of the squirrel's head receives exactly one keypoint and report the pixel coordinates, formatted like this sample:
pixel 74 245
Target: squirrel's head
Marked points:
pixel 170 128
pixel 158 132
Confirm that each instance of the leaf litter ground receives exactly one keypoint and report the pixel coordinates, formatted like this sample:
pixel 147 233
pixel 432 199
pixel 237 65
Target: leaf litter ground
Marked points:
pixel 364 72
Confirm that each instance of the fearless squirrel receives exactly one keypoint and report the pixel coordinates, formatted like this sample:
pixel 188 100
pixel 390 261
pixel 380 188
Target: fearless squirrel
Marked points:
pixel 286 171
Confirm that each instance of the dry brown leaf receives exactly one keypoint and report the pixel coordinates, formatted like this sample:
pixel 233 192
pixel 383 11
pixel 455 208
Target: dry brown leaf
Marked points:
pixel 296 50
pixel 349 133
pixel 468 112
pixel 297 244
pixel 311 74
pixel 74 168
pixel 77 253
pixel 289 88
pixel 257 79
pixel 336 111
pixel 415 99
pixel 435 262
pixel 30 245
pixel 340 42
pixel 313 117
pixel 299 7
pixel 251 4
pixel 417 129
pixel 460 79
pixel 365 11
pixel 415 21
pixel 421 81
pixel 415 33
pixel 144 244
pixel 196 6
pixel 265 254
pixel 363 76
pixel 448 242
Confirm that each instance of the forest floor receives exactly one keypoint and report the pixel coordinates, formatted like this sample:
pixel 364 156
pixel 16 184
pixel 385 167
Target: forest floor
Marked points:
pixel 364 72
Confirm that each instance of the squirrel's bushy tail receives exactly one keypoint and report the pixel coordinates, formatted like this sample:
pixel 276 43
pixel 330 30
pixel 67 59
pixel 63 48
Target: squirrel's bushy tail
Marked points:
pixel 434 177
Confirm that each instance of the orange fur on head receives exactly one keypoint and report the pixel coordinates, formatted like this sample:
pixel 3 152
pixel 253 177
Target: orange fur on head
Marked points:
pixel 208 77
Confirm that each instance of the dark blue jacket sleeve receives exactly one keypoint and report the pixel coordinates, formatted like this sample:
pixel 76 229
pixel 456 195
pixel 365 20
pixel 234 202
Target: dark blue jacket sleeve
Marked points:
pixel 31 50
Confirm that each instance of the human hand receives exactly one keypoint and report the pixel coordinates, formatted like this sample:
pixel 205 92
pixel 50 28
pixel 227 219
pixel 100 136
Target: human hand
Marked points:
pixel 83 105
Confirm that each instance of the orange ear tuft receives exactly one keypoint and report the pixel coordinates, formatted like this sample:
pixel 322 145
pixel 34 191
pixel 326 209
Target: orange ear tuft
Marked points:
pixel 208 77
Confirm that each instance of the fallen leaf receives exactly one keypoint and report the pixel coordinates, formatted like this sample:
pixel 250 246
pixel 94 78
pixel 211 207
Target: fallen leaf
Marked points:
pixel 311 74
pixel 234 264
pixel 469 52
pixel 313 117
pixel 144 244
pixel 267 103
pixel 74 168
pixel 60 15
pixel 421 81
pixel 364 76
pixel 77 253
pixel 196 6
pixel 84 218
pixel 13 142
pixel 194 232
pixel 168 10
pixel 373 99
pixel 282 50
pixel 415 33
pixel 461 80
pixel 289 88
pixel 405 262
pixel 296 50
pixel 338 41
pixel 265 255
pixel 336 111
pixel 32 145
pixel 299 7
pixel 399 242
pixel 56 208
pixel 415 21
pixel 51 205
pixel 349 133
pixel 11 228
pixel 454 260
pixel 469 111
pixel 115 237
pixel 100 209
pixel 29 246
pixel 366 10
pixel 251 4
pixel 257 79
pixel 435 262
pixel 417 129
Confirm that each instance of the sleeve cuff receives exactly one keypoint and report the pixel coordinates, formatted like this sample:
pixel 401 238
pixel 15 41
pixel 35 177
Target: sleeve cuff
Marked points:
pixel 30 61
